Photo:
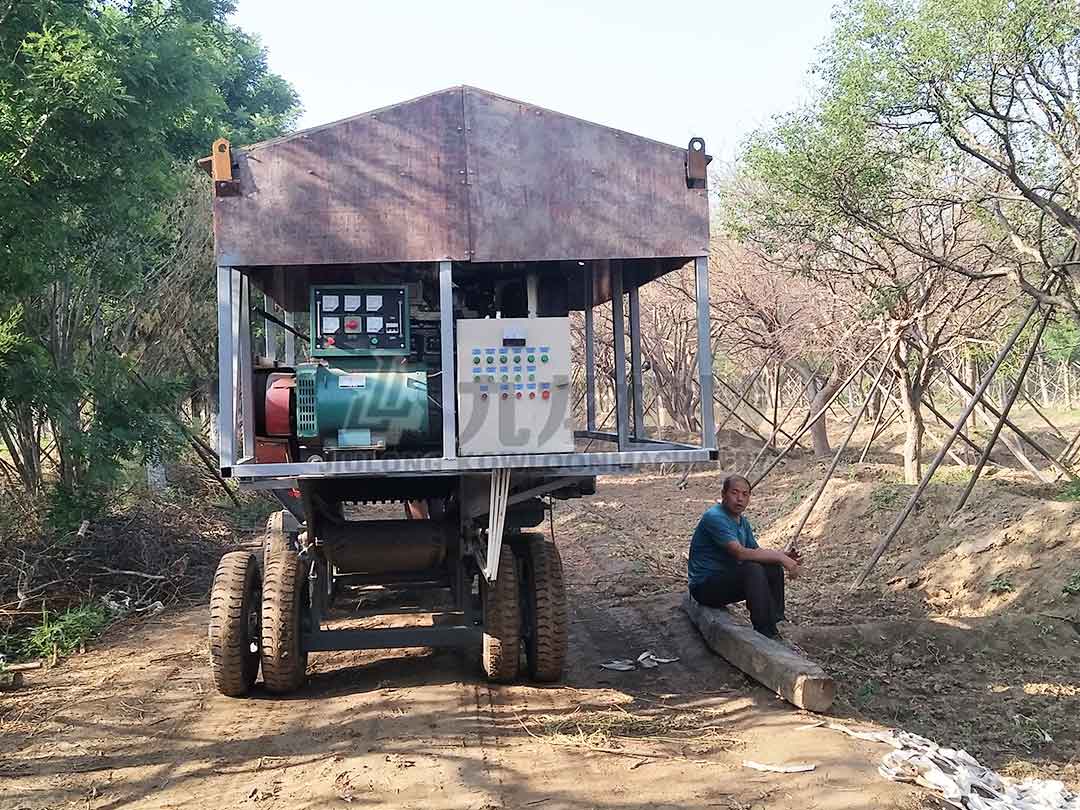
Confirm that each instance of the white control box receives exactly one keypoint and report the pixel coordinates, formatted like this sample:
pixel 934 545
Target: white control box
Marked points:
pixel 513 386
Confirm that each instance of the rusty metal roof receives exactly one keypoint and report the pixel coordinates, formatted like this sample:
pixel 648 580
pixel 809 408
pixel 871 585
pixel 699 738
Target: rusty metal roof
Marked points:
pixel 460 174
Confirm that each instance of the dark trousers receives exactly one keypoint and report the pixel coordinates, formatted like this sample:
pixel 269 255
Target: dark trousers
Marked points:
pixel 760 584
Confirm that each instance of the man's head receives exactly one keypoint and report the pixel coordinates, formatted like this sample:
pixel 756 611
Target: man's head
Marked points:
pixel 736 494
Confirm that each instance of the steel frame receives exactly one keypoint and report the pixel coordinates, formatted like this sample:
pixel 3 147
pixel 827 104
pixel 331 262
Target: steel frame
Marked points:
pixel 634 449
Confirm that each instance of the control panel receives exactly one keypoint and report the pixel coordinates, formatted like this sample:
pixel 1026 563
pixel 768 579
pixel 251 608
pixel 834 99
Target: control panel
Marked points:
pixel 513 380
pixel 359 321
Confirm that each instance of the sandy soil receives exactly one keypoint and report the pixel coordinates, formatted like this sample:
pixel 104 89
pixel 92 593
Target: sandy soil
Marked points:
pixel 954 637
pixel 136 723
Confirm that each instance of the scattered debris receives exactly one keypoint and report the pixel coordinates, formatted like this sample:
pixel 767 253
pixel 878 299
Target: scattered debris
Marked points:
pixel 802 767
pixel 958 778
pixel 619 664
pixel 647 660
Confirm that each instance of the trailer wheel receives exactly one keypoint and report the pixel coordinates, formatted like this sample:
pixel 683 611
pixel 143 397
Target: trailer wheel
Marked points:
pixel 502 621
pixel 276 538
pixel 234 623
pixel 284 663
pixel 543 606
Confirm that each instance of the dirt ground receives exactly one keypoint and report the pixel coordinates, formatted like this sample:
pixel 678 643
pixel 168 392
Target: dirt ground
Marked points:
pixel 954 637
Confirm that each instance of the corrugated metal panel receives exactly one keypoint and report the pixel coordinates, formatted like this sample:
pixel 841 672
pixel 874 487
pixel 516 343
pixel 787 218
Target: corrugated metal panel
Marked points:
pixel 384 186
pixel 546 186
pixel 461 174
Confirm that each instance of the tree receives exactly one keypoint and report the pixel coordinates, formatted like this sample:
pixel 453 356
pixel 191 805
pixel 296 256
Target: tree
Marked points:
pixel 103 106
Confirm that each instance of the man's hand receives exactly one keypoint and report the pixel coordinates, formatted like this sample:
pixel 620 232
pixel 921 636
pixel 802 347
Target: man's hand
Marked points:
pixel 794 554
pixel 791 565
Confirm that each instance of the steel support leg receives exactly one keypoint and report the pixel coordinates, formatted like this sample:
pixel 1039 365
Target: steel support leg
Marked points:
pixel 708 425
pixel 446 336
pixel 590 351
pixel 290 341
pixel 618 328
pixel 246 379
pixel 226 366
pixel 635 362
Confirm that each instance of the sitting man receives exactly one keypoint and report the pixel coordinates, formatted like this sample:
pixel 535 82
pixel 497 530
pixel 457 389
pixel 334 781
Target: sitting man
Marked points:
pixel 726 565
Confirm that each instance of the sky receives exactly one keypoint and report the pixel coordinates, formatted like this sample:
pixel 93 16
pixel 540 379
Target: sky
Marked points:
pixel 668 71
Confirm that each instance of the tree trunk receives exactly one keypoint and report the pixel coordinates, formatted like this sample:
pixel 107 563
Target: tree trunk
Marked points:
pixel 911 403
pixel 913 445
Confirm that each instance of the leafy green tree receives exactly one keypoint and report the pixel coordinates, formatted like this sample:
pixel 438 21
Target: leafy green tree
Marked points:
pixel 103 106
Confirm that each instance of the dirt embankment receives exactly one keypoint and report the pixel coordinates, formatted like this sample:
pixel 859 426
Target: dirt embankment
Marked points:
pixel 967 631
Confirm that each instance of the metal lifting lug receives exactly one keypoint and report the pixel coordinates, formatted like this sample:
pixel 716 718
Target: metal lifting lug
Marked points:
pixel 696 163
pixel 221 170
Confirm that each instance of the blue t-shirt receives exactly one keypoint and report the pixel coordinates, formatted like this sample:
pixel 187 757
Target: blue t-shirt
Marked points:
pixel 707 553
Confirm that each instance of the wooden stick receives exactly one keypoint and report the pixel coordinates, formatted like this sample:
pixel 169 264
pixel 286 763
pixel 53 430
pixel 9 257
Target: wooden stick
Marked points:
pixel 1042 415
pixel 877 420
pixel 772 436
pixel 742 396
pixel 1019 432
pixel 929 474
pixel 776 398
pixel 750 405
pixel 813 420
pixel 836 458
pixel 874 437
pixel 741 421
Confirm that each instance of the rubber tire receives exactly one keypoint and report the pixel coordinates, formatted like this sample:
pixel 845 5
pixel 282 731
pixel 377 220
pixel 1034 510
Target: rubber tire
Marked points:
pixel 544 595
pixel 276 538
pixel 502 621
pixel 233 597
pixel 284 664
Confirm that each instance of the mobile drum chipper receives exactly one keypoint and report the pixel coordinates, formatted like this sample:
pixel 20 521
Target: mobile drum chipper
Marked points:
pixel 437 247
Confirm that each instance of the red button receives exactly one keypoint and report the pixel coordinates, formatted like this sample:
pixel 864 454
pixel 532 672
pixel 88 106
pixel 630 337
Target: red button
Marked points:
pixel 351 324
pixel 329 341
pixel 546 395
pixel 532 395
pixel 483 396
pixel 518 395
pixel 504 396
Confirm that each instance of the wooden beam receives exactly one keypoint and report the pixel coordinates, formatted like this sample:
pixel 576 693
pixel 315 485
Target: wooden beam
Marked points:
pixel 769 662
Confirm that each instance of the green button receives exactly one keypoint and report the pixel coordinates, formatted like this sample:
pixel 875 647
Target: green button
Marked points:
pixel 504 378
pixel 476 361
pixel 490 359
pixel 517 358
pixel 491 378
pixel 374 341
pixel 517 378
pixel 532 377
pixel 532 358
pixel 543 358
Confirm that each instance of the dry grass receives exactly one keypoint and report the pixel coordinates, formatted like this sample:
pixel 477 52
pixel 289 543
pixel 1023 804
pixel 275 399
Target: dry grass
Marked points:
pixel 607 728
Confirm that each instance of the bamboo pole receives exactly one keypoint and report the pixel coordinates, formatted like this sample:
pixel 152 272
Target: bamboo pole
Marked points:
pixel 1006 407
pixel 874 436
pixel 877 419
pixel 751 406
pixel 1042 415
pixel 776 399
pixel 836 459
pixel 929 474
pixel 1019 432
pixel 813 420
pixel 742 421
pixel 745 391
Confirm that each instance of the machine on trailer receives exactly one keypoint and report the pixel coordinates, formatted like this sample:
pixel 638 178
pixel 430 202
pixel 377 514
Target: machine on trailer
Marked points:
pixel 438 248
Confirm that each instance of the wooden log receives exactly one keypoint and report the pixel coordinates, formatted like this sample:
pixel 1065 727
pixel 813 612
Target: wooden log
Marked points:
pixel 769 662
